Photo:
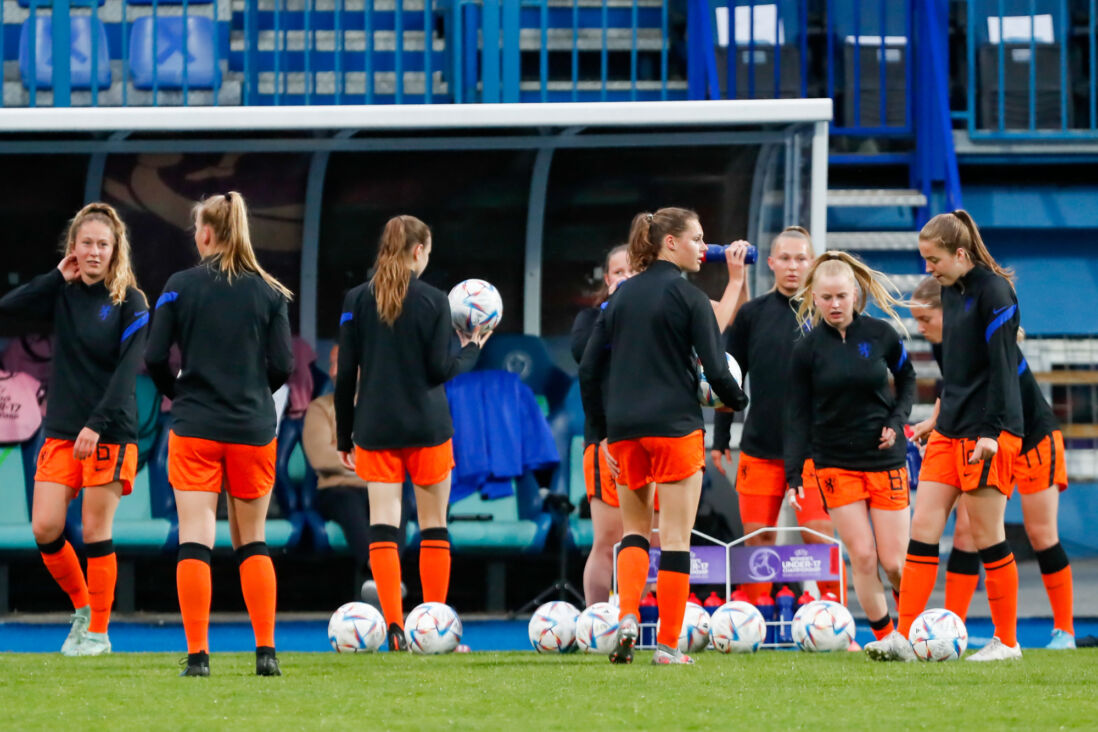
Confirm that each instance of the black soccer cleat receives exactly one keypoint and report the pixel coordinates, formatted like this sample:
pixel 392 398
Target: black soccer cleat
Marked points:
pixel 397 641
pixel 198 664
pixel 266 663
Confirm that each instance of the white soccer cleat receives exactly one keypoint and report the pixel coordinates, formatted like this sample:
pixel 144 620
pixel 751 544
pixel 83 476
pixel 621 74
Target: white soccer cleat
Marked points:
pixel 93 644
pixel 665 656
pixel 893 647
pixel 80 620
pixel 996 650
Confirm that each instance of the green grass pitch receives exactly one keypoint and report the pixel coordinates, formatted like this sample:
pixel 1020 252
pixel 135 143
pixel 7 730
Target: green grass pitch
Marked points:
pixel 522 690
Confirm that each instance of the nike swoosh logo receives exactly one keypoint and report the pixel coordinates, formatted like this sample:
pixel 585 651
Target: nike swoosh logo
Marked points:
pixel 138 315
pixel 1005 307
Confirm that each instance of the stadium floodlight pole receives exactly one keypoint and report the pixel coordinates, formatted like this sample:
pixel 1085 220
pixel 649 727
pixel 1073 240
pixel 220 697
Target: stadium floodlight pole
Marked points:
pixel 818 193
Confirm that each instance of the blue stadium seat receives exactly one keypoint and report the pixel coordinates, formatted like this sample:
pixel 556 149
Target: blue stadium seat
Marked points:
pixel 16 471
pixel 168 2
pixel 527 356
pixel 47 4
pixel 167 70
pixel 80 55
pixel 148 418
pixel 134 525
pixel 513 524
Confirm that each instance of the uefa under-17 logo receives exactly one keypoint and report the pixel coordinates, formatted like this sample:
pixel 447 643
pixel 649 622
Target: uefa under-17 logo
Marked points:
pixel 764 564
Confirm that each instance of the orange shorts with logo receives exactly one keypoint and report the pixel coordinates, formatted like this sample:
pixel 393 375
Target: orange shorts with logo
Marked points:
pixel 108 464
pixel 198 464
pixel 604 488
pixel 887 490
pixel 424 465
pixel 946 461
pixel 761 488
pixel 647 460
pixel 1043 466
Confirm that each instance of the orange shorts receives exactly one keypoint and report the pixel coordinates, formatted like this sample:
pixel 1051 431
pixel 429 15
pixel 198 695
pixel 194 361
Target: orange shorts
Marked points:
pixel 1042 467
pixel 764 481
pixel 647 460
pixel 604 489
pixel 946 461
pixel 198 464
pixel 424 465
pixel 884 489
pixel 110 463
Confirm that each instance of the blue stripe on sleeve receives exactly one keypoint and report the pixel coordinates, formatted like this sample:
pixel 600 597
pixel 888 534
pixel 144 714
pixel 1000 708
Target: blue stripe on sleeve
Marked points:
pixel 998 322
pixel 345 317
pixel 166 298
pixel 1022 366
pixel 903 359
pixel 135 326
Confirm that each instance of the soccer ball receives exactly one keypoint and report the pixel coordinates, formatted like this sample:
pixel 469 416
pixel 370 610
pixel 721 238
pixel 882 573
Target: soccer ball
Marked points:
pixel 432 628
pixel 694 636
pixel 473 303
pixel 597 628
pixel 553 627
pixel 938 635
pixel 823 626
pixel 356 628
pixel 706 396
pixel 737 627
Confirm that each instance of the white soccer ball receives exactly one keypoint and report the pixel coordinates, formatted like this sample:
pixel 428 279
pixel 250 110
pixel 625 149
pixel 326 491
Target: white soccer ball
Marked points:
pixel 553 627
pixel 737 627
pixel 938 635
pixel 823 626
pixel 356 628
pixel 694 636
pixel 706 396
pixel 432 628
pixel 597 628
pixel 473 303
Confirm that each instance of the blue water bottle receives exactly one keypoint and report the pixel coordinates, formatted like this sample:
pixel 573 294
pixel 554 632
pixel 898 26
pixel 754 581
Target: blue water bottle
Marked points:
pixel 785 600
pixel 715 253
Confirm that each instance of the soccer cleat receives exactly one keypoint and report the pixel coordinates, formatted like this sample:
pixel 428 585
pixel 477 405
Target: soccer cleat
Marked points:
pixel 665 655
pixel 266 663
pixel 80 619
pixel 197 664
pixel 996 650
pixel 93 644
pixel 1061 640
pixel 893 647
pixel 397 641
pixel 628 630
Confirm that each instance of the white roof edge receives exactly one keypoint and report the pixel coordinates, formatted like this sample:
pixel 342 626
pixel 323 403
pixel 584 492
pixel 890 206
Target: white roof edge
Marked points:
pixel 414 116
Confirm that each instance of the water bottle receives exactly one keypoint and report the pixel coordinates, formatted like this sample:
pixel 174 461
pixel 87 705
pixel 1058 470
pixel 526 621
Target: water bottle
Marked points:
pixel 694 599
pixel 785 600
pixel 740 596
pixel 712 602
pixel 650 614
pixel 765 604
pixel 715 253
pixel 805 598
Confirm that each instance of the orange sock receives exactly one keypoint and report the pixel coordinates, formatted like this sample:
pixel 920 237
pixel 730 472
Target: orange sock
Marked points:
pixel 1002 591
pixel 385 565
pixel 192 579
pixel 916 584
pixel 60 559
pixel 102 577
pixel 881 627
pixel 434 564
pixel 632 574
pixel 962 577
pixel 672 589
pixel 1056 574
pixel 260 589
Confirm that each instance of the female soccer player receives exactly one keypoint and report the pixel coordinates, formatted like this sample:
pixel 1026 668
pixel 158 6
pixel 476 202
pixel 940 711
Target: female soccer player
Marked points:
pixel 841 411
pixel 228 317
pixel 1040 467
pixel 761 340
pixel 971 453
pixel 99 319
pixel 394 343
pixel 650 418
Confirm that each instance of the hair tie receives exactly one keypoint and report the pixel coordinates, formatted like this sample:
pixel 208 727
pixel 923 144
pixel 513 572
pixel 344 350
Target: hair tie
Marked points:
pixel 649 218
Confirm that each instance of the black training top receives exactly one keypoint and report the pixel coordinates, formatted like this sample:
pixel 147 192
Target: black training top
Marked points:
pixel 401 399
pixel 581 333
pixel 235 340
pixel 646 335
pixel 1039 419
pixel 761 340
pixel 839 398
pixel 99 346
pixel 981 396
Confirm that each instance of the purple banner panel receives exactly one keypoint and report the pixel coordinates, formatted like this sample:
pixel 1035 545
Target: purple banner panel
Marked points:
pixel 708 565
pixel 792 563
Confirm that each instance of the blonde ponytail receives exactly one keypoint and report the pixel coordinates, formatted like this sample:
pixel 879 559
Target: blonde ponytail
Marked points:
pixel 227 217
pixel 392 269
pixel 870 282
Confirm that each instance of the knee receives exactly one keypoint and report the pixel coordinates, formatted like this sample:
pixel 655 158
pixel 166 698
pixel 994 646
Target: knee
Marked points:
pixel 47 530
pixel 1042 535
pixel 863 560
